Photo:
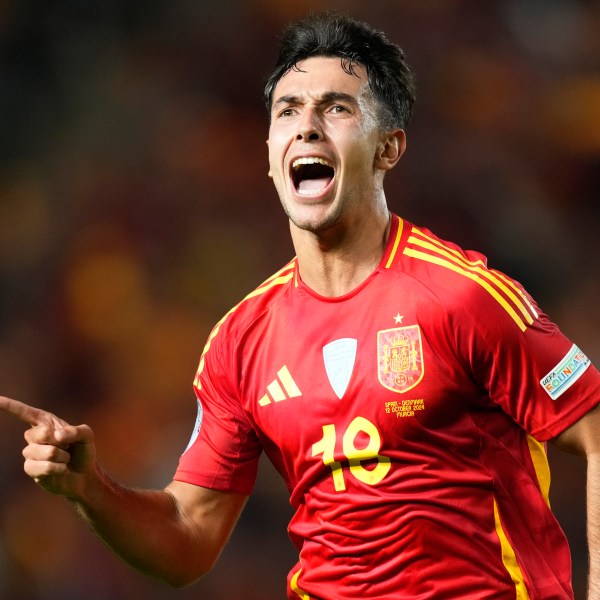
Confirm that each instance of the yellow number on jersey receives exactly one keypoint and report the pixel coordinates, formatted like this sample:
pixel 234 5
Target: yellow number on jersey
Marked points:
pixel 355 456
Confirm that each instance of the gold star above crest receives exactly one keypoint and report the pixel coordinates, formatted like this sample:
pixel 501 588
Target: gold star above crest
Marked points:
pixel 398 319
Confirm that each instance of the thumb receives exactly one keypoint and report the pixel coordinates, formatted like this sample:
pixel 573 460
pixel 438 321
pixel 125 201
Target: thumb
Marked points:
pixel 74 434
pixel 79 442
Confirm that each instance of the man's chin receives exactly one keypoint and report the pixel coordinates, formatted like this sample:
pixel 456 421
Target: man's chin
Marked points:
pixel 317 222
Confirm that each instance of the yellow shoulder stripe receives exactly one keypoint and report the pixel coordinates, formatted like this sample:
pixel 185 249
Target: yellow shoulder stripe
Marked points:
pixel 505 292
pixel 518 290
pixel 396 242
pixel 281 277
pixel 282 272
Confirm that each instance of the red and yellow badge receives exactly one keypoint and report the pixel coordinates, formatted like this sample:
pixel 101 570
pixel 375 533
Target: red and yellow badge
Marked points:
pixel 400 358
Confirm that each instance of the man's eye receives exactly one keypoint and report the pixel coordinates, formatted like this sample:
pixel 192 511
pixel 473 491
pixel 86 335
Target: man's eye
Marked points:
pixel 338 108
pixel 286 112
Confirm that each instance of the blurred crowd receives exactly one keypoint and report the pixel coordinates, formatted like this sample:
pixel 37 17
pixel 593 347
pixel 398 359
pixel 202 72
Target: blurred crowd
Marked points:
pixel 135 210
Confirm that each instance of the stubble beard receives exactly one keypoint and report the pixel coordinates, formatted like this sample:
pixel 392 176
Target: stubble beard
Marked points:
pixel 317 226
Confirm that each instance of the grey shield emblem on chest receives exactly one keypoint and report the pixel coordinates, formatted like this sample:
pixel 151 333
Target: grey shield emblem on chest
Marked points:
pixel 339 357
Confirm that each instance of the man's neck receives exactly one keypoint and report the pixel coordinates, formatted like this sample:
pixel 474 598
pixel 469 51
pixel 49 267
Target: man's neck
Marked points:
pixel 335 263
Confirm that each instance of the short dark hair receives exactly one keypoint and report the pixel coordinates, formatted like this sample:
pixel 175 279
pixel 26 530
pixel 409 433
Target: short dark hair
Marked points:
pixel 327 35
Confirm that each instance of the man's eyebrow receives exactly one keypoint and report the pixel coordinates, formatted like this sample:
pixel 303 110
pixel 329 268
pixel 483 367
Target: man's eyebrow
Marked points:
pixel 289 99
pixel 330 97
pixel 326 98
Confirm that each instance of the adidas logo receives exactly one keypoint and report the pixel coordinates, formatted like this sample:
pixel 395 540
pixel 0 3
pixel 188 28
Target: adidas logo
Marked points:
pixel 282 388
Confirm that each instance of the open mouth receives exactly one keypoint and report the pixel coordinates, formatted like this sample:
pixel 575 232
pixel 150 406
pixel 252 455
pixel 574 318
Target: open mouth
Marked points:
pixel 311 175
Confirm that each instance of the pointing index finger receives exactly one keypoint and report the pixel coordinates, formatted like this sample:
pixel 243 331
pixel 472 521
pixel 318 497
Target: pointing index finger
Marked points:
pixel 28 414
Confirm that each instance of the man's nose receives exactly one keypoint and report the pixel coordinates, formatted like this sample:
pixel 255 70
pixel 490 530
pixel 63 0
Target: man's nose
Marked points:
pixel 309 127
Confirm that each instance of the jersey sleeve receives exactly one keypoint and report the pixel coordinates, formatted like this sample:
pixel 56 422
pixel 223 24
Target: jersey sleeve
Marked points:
pixel 224 451
pixel 528 367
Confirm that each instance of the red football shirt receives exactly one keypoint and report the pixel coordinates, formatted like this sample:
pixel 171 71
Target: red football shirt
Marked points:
pixel 407 419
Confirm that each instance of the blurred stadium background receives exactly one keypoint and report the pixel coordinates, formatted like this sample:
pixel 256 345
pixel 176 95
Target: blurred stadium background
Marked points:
pixel 135 210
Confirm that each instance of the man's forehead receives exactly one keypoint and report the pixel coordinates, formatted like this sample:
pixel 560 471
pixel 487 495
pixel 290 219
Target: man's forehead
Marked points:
pixel 320 76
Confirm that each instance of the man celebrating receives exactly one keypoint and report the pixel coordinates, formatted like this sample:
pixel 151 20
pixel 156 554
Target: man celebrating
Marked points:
pixel 403 389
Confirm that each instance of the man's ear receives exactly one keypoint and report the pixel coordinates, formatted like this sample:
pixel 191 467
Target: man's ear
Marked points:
pixel 390 149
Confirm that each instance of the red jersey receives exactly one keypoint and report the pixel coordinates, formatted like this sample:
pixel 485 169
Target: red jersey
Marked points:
pixel 408 420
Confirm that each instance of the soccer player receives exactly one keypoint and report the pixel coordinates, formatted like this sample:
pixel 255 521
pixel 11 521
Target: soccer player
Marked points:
pixel 403 389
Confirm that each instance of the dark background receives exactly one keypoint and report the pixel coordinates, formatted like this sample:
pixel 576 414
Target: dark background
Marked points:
pixel 135 210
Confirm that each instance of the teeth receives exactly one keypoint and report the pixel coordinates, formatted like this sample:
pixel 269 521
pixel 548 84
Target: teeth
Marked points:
pixel 309 160
pixel 309 192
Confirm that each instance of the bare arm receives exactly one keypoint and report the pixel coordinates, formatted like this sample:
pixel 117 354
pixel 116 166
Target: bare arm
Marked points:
pixel 583 438
pixel 175 534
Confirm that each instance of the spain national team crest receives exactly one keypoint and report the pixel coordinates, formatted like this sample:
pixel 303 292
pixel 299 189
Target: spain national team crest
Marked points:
pixel 400 358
